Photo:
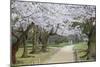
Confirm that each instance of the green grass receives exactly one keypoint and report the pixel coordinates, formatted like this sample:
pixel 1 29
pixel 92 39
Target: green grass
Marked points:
pixel 36 58
pixel 39 57
pixel 58 45
pixel 80 49
pixel 82 46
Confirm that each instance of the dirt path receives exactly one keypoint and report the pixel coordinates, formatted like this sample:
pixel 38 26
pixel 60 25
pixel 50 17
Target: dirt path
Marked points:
pixel 65 54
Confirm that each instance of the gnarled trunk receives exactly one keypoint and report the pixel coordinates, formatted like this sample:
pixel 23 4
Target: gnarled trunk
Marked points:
pixel 44 40
pixel 33 45
pixel 15 47
pixel 44 48
pixel 92 44
pixel 25 48
pixel 34 39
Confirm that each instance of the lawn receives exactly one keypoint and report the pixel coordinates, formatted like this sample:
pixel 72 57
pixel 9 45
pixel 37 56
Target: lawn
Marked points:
pixel 82 46
pixel 36 58
pixel 58 45
pixel 80 50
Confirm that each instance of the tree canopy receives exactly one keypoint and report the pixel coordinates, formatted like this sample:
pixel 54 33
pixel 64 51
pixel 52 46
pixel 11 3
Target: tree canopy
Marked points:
pixel 48 15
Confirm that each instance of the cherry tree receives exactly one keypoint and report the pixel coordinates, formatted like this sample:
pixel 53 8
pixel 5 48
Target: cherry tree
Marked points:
pixel 60 19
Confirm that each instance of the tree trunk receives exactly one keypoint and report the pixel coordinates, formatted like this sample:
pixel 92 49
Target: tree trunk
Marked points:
pixel 44 40
pixel 15 46
pixel 33 46
pixel 25 48
pixel 92 44
pixel 44 48
pixel 13 55
pixel 14 50
pixel 89 50
pixel 34 41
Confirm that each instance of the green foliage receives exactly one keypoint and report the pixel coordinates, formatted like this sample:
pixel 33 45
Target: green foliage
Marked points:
pixel 15 20
pixel 87 27
pixel 76 24
pixel 80 51
pixel 57 39
pixel 60 41
pixel 13 39
pixel 58 45
pixel 81 46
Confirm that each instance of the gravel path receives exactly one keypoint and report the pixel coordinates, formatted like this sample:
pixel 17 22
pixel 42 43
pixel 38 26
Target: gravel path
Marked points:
pixel 65 54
